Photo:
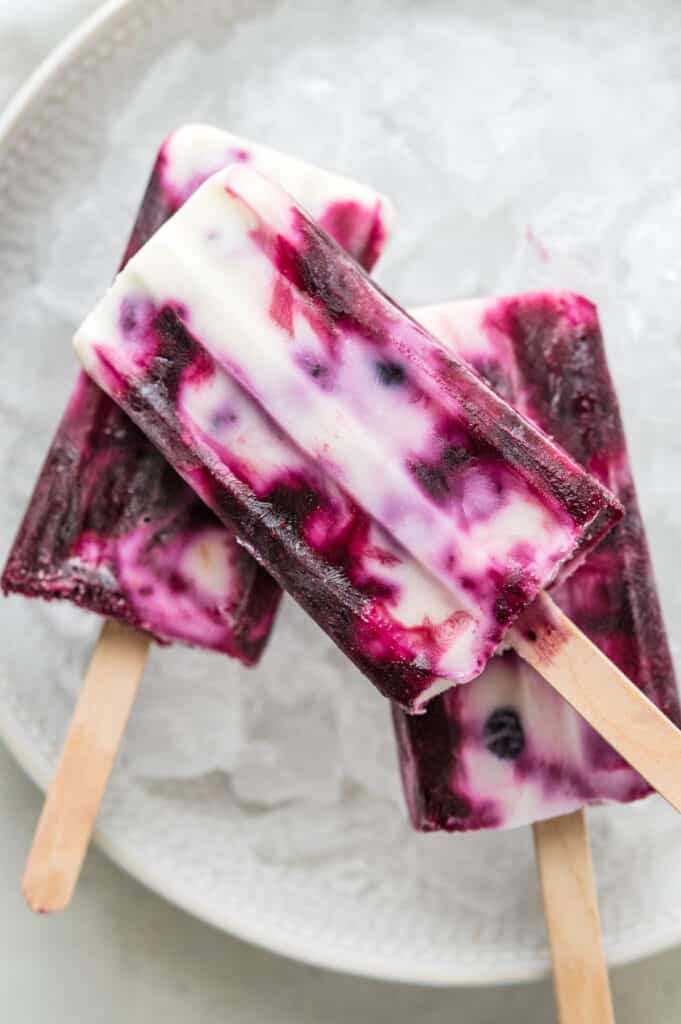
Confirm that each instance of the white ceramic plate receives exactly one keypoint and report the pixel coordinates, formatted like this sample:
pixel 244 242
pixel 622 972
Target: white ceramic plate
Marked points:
pixel 182 839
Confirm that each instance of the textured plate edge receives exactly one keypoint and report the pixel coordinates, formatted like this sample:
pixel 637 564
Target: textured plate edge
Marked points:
pixel 28 93
pixel 37 768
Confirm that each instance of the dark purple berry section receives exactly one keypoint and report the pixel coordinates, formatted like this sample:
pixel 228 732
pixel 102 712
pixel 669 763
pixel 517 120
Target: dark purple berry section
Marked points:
pixel 102 479
pixel 155 209
pixel 437 803
pixel 346 221
pixel 565 378
pixel 613 596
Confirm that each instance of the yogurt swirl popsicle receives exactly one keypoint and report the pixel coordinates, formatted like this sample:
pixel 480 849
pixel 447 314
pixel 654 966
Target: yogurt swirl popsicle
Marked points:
pixel 110 526
pixel 507 750
pixel 410 510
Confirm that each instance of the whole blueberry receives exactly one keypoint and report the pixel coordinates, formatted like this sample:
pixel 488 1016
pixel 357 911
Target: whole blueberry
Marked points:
pixel 390 374
pixel 503 734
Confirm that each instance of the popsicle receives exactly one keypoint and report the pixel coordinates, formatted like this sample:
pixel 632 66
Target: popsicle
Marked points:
pixel 283 364
pixel 110 526
pixel 241 263
pixel 507 750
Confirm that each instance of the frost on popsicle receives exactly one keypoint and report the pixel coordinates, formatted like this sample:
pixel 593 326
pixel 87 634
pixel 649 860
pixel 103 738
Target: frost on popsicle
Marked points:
pixel 110 526
pixel 408 509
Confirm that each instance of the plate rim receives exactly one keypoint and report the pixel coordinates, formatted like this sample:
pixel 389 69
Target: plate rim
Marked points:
pixel 34 764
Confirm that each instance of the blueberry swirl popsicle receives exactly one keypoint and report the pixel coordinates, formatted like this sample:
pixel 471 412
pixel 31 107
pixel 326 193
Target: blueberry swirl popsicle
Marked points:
pixel 507 750
pixel 406 506
pixel 110 525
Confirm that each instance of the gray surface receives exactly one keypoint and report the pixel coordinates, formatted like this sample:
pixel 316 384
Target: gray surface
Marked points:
pixel 122 954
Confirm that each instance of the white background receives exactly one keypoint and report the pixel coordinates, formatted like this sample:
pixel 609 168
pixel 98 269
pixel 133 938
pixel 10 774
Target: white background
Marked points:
pixel 121 954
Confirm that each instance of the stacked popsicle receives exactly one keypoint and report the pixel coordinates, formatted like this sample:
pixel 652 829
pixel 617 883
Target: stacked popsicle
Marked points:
pixel 509 751
pixel 110 526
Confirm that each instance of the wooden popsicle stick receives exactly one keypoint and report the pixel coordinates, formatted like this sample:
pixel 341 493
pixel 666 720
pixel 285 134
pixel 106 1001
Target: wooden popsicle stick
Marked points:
pixel 603 695
pixel 68 816
pixel 580 971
